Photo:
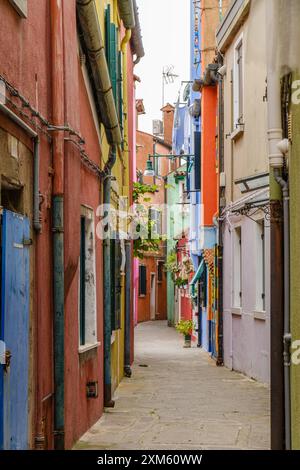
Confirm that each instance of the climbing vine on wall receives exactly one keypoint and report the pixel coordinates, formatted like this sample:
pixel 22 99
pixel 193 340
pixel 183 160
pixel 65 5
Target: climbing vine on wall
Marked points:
pixel 144 225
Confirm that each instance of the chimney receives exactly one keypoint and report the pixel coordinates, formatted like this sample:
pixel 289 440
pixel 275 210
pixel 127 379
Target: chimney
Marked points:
pixel 168 119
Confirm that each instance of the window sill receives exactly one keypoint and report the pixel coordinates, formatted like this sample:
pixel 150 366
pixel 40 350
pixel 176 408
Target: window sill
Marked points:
pixel 238 132
pixel 237 311
pixel 260 315
pixel 88 347
pixel 142 296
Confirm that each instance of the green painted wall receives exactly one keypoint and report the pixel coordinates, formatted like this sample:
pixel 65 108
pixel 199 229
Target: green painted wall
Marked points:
pixel 295 265
pixel 175 225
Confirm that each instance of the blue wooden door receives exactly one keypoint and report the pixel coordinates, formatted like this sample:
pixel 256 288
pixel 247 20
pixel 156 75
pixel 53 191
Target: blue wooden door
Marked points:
pixel 15 278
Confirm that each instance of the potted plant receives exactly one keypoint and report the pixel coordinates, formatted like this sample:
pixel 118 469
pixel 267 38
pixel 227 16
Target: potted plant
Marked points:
pixel 180 282
pixel 185 327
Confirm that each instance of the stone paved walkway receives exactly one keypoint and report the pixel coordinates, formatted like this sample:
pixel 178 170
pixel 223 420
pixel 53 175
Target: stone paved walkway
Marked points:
pixel 181 401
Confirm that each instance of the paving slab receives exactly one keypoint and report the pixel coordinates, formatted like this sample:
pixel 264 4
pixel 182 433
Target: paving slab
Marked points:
pixel 181 400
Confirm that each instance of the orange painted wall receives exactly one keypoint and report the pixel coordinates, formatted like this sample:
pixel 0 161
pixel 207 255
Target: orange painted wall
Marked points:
pixel 145 146
pixel 144 313
pixel 209 193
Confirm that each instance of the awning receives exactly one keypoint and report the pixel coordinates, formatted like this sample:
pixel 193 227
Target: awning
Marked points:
pixel 196 277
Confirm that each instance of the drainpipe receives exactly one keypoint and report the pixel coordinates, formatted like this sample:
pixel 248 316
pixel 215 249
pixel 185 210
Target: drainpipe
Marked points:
pixel 108 402
pixel 57 58
pixel 286 331
pixel 126 10
pixel 128 251
pixel 280 381
pixel 95 51
pixel 220 358
pixel 136 37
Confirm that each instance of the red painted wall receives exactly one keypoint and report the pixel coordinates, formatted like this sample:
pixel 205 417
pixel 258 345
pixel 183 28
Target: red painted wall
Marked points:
pixel 25 62
pixel 145 146
pixel 186 304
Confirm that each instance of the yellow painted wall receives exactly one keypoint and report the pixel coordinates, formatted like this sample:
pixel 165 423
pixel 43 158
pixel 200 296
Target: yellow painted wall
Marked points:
pixel 120 187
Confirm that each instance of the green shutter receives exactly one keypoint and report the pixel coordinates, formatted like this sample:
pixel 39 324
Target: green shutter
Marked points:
pixel 142 280
pixel 113 59
pixel 107 34
pixel 114 62
pixel 116 260
pixel 111 50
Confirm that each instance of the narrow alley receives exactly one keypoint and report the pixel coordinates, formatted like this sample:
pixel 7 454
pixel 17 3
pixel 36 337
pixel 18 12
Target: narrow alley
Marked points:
pixel 178 399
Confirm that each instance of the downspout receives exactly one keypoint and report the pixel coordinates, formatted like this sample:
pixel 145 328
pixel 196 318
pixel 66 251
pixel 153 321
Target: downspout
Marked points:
pixel 280 370
pixel 286 331
pixel 136 38
pixel 94 45
pixel 220 358
pixel 128 244
pixel 57 60
pixel 108 402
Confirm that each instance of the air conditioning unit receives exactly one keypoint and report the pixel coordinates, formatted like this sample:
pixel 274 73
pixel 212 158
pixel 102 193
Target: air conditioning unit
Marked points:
pixel 158 127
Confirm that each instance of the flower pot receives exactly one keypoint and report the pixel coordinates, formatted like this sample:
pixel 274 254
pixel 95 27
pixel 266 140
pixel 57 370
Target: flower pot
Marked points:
pixel 187 341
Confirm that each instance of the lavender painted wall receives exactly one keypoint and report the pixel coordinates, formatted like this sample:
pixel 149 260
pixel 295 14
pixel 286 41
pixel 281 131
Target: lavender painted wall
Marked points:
pixel 246 331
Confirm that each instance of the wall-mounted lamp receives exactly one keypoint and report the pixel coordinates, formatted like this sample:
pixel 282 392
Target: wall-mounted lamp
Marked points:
pixel 149 171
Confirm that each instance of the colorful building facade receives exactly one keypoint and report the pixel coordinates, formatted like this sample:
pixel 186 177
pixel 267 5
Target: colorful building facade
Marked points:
pixel 67 121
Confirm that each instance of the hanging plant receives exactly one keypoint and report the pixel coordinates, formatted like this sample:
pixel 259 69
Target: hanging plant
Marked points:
pixel 171 266
pixel 144 244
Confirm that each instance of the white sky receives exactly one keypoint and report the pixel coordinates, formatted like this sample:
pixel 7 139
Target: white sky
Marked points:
pixel 166 34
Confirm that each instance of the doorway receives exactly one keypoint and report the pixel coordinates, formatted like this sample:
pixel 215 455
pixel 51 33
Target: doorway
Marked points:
pixel 153 296
pixel 14 330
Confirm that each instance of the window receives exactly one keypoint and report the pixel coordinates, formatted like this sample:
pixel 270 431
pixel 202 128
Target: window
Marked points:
pixel 237 267
pixel 160 269
pixel 261 267
pixel 87 280
pixel 238 84
pixel 155 217
pixel 20 6
pixel 142 280
pixel 183 199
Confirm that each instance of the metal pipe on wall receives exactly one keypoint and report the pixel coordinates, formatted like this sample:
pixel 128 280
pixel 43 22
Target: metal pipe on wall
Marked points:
pixel 286 331
pixel 57 64
pixel 108 401
pixel 220 358
pixel 89 23
pixel 276 234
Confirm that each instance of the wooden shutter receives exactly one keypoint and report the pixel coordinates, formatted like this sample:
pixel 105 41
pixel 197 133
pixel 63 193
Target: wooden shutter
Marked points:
pixel 142 280
pixel 116 258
